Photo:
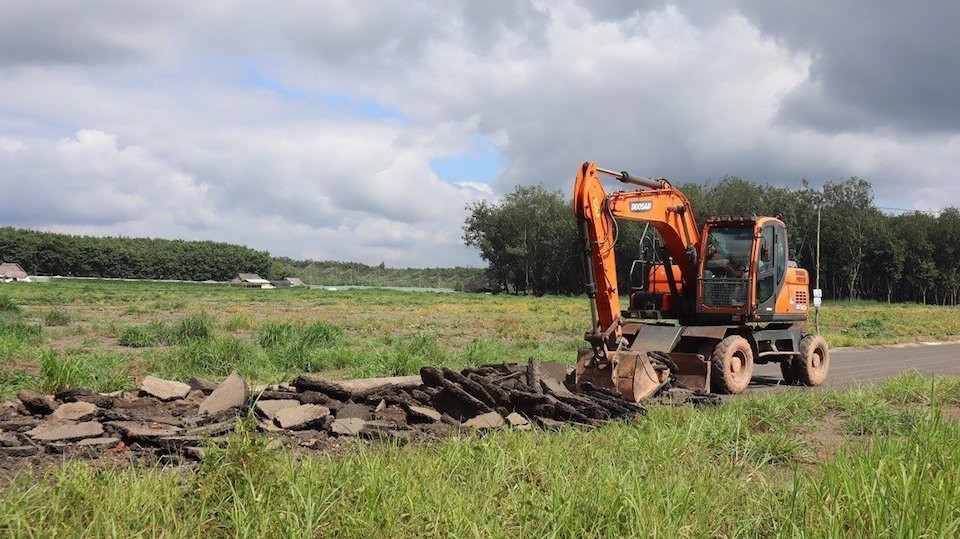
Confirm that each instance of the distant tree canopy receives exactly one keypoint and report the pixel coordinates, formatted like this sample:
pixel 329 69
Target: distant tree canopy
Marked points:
pixel 529 239
pixel 46 253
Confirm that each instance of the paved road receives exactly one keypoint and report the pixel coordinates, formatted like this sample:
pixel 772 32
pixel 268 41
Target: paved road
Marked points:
pixel 852 367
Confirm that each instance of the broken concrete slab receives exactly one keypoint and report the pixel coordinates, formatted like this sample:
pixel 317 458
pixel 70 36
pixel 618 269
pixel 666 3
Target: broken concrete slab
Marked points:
pixel 347 427
pixel 84 395
pixel 231 393
pixel 367 385
pixel 9 439
pixel 91 447
pixel 165 390
pixel 74 411
pixel 422 414
pixel 19 451
pixel 60 432
pixel 555 387
pixel 555 370
pixel 301 417
pixel 37 403
pixel 307 382
pixel 214 429
pixel 518 421
pixel 145 432
pixel 489 420
pixel 351 410
pixel 202 384
pixel 269 408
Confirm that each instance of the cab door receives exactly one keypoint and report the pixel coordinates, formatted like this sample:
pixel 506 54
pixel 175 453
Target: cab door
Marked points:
pixel 771 267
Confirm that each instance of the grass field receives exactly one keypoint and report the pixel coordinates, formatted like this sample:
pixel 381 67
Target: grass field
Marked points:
pixel 103 334
pixel 877 462
pixel 866 462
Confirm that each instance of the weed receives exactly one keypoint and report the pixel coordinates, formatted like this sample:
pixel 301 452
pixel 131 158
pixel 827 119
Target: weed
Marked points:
pixel 56 317
pixel 8 306
pixel 873 420
pixel 195 327
pixel 99 371
pixel 240 322
pixel 137 337
pixel 13 380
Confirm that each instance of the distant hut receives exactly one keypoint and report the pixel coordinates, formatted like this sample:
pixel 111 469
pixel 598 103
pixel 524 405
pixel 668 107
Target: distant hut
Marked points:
pixel 287 282
pixel 11 271
pixel 251 280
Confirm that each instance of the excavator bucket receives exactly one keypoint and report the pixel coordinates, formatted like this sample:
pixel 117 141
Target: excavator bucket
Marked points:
pixel 631 373
pixel 627 372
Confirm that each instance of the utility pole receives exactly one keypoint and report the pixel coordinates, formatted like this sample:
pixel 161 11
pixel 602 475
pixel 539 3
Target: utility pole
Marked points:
pixel 819 205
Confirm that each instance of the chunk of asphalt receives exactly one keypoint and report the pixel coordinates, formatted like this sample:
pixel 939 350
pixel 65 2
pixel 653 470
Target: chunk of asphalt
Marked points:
pixel 19 451
pixel 269 408
pixel 555 387
pixel 231 393
pixel 554 369
pixel 518 421
pixel 347 427
pixel 165 390
pixel 489 420
pixel 36 403
pixel 301 417
pixel 84 395
pixel 9 439
pixel 203 384
pixel 90 447
pixel 60 432
pixel 352 410
pixel 74 411
pixel 306 382
pixel 422 414
pixel 145 432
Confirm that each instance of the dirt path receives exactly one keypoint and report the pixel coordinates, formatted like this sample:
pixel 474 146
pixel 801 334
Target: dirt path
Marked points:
pixel 852 367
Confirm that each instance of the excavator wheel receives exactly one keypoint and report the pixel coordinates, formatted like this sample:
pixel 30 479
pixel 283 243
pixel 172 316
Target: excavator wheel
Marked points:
pixel 810 366
pixel 732 365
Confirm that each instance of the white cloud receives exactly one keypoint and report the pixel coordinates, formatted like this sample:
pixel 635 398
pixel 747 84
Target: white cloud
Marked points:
pixel 309 131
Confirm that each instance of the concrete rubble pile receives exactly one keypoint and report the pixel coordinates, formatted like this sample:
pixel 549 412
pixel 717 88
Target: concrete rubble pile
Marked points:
pixel 173 420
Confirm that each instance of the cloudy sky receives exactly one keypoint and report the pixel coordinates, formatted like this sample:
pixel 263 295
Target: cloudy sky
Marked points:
pixel 359 130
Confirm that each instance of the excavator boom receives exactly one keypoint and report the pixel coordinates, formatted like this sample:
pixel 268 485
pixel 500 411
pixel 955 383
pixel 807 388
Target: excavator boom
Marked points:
pixel 669 212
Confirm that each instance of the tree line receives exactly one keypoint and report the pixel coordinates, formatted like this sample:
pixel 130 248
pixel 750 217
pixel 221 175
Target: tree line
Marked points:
pixel 530 242
pixel 48 253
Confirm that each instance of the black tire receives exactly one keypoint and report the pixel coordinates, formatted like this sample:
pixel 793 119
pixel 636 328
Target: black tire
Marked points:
pixel 732 365
pixel 813 362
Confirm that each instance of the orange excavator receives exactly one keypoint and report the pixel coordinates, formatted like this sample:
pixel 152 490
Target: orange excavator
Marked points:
pixel 708 305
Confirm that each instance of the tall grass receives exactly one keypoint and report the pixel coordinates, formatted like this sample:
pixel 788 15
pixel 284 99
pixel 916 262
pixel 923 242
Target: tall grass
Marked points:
pixel 678 472
pixel 99 371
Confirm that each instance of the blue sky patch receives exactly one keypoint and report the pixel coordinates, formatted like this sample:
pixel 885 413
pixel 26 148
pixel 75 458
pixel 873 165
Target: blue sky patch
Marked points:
pixel 482 164
pixel 251 76
pixel 362 107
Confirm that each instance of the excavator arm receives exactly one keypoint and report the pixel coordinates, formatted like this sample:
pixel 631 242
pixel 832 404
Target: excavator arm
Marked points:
pixel 608 362
pixel 665 208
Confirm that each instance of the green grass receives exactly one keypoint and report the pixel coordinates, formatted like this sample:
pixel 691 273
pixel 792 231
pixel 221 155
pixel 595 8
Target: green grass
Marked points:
pixel 734 470
pixel 99 371
pixel 56 317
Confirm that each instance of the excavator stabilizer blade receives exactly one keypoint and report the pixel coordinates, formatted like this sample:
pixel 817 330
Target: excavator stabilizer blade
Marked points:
pixel 693 370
